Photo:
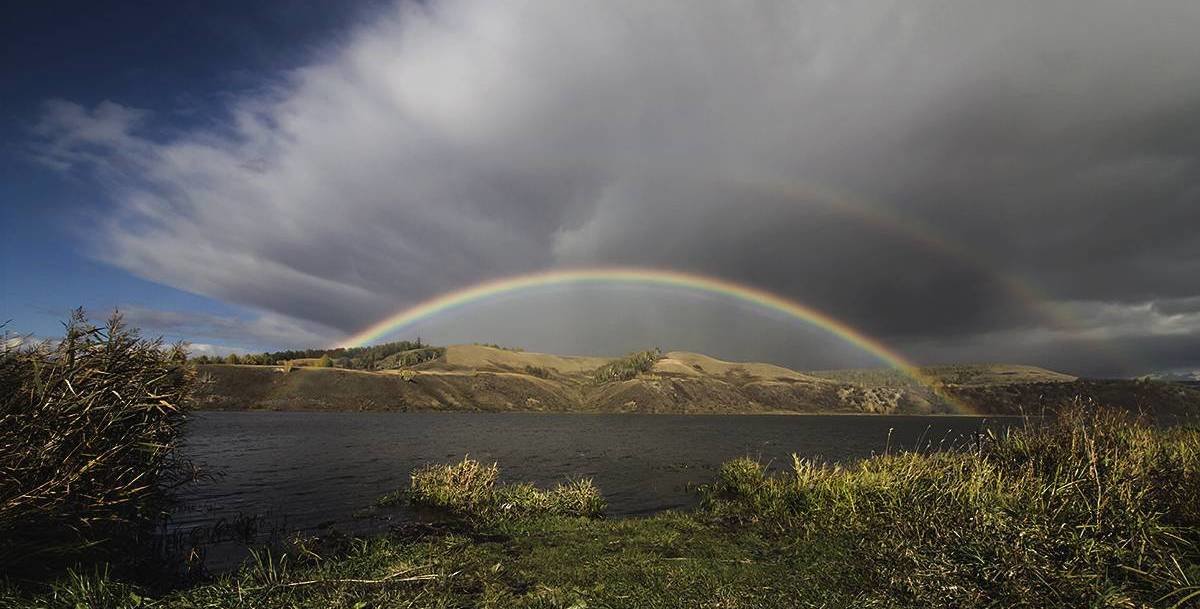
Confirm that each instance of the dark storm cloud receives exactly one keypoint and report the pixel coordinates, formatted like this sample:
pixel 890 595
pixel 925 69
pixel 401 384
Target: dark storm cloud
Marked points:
pixel 968 147
pixel 1178 306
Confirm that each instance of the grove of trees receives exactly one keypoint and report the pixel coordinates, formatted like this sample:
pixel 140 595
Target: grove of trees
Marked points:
pixel 385 356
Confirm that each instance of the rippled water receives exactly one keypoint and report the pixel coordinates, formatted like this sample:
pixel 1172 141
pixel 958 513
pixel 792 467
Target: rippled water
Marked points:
pixel 306 471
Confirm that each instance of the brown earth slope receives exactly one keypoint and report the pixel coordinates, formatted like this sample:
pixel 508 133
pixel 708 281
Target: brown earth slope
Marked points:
pixel 474 377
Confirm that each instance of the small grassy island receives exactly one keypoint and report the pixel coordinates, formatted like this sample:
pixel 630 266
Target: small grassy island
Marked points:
pixel 1092 507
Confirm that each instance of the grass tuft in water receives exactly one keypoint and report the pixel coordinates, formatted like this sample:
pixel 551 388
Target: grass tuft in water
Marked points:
pixel 470 489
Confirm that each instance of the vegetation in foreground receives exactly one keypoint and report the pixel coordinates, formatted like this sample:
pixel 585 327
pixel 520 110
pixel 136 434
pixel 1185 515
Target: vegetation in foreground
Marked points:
pixel 1091 510
pixel 88 431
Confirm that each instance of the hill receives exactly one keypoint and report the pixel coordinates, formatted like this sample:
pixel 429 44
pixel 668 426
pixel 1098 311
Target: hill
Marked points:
pixel 961 375
pixel 486 378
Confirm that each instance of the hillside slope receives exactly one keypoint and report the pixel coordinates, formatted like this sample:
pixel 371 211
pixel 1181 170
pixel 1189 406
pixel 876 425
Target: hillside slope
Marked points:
pixel 475 377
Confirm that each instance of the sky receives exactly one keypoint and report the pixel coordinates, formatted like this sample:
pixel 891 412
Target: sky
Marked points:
pixel 965 181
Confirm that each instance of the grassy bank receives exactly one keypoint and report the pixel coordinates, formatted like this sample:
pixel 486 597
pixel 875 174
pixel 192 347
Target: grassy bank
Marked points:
pixel 1093 510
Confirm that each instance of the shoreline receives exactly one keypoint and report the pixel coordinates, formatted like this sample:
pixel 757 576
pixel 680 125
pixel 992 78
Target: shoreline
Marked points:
pixel 920 530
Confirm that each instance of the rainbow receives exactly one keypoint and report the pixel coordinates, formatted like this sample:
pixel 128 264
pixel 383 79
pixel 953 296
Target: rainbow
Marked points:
pixel 651 277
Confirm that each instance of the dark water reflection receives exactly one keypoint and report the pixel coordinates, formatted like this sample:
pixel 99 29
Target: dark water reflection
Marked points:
pixel 308 471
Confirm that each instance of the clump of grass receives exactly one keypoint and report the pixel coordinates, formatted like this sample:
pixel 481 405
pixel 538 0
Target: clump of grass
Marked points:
pixel 467 486
pixel 77 589
pixel 1088 509
pixel 89 427
pixel 628 367
pixel 471 490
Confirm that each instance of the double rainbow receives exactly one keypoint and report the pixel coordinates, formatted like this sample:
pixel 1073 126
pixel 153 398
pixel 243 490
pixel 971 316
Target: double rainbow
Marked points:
pixel 652 277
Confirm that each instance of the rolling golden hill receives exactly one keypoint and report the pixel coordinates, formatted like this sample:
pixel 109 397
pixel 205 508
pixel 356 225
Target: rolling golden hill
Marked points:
pixel 482 378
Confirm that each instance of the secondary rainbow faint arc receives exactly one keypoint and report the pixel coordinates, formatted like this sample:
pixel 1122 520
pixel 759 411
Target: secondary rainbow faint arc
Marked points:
pixel 653 277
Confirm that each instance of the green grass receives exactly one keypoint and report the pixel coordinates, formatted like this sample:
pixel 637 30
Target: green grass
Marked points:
pixel 1090 510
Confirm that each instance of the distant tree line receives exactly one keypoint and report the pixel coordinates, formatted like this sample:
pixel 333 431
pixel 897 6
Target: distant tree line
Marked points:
pixel 385 356
pixel 502 347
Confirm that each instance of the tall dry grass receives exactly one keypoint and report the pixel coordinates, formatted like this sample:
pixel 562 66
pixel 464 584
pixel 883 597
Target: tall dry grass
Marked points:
pixel 89 427
pixel 1091 508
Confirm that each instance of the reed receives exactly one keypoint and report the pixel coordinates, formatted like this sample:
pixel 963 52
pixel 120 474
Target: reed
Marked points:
pixel 89 427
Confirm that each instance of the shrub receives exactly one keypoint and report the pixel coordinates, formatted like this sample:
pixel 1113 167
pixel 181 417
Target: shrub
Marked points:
pixel 412 357
pixel 537 371
pixel 88 433
pixel 325 362
pixel 1088 509
pixel 628 367
pixel 469 489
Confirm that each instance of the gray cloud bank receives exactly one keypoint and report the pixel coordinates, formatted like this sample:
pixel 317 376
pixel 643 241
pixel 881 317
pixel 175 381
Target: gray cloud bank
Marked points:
pixel 899 165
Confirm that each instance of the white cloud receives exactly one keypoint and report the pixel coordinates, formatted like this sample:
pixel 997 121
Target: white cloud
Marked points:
pixel 266 331
pixel 73 135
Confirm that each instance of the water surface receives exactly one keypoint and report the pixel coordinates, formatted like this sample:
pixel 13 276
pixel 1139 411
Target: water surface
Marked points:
pixel 309 471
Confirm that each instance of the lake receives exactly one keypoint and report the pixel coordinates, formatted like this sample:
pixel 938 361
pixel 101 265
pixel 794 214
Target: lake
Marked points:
pixel 305 471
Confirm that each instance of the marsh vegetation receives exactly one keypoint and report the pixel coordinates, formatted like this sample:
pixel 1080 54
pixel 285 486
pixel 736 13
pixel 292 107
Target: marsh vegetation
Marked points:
pixel 89 427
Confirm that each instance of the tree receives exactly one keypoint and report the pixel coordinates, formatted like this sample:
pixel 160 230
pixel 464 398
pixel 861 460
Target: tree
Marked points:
pixel 325 361
pixel 232 358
